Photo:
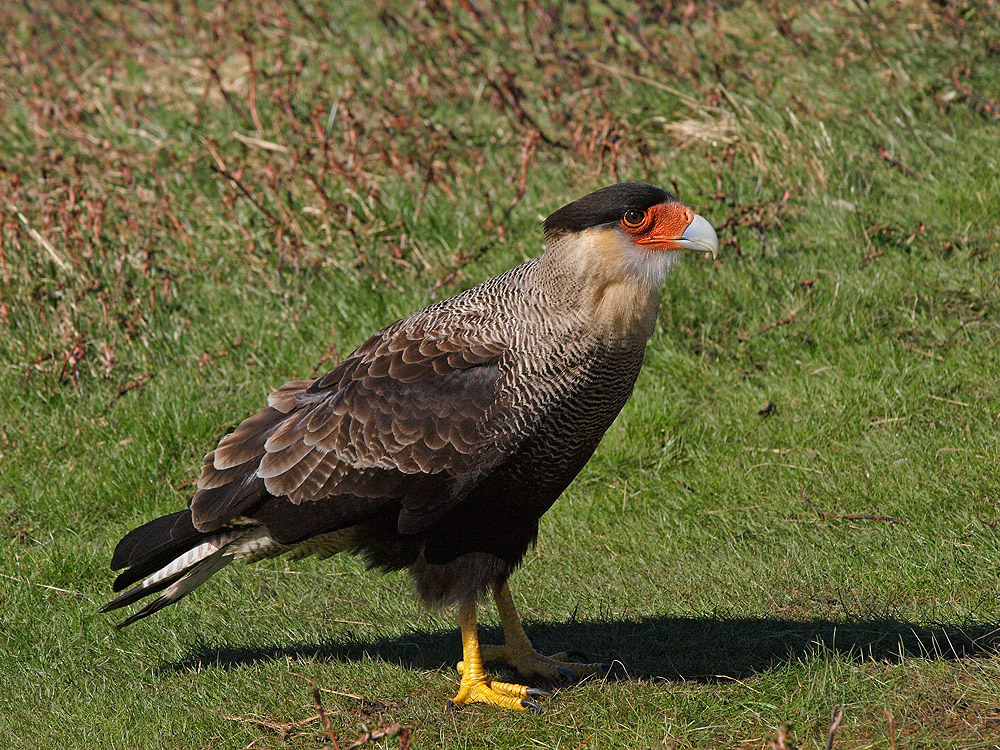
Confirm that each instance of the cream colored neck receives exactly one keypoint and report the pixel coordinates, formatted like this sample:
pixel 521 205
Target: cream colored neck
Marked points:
pixel 615 283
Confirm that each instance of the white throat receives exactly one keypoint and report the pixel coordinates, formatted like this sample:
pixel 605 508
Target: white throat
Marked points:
pixel 647 266
pixel 618 281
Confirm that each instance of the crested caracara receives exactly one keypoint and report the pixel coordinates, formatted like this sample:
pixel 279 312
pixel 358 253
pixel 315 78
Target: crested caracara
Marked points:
pixel 439 443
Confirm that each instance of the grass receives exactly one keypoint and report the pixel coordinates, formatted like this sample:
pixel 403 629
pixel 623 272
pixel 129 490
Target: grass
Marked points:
pixel 200 202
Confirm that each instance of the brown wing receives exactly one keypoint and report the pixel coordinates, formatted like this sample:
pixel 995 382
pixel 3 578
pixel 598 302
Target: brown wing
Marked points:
pixel 415 403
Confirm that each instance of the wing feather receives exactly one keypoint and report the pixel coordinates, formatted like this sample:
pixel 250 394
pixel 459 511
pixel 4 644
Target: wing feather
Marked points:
pixel 415 399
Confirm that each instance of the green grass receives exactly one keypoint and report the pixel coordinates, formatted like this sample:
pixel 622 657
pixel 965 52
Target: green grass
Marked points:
pixel 159 274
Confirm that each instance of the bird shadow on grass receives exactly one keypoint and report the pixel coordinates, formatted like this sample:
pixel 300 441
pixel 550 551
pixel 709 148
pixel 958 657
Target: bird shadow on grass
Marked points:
pixel 671 648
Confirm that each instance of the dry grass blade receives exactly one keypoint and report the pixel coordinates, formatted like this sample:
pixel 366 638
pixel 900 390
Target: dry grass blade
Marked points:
pixel 835 719
pixel 849 516
pixel 389 730
pixel 369 735
pixel 892 729
pixel 37 237
pixel 43 585
pixel 281 728
pixel 318 702
pixel 259 143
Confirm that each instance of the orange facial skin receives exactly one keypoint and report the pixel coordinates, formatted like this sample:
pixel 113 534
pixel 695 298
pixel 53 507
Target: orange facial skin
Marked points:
pixel 661 225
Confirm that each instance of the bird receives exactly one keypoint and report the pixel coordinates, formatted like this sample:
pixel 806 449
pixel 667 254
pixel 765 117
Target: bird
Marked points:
pixel 437 445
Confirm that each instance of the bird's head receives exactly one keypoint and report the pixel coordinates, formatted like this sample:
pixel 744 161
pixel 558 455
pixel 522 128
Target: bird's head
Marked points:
pixel 631 230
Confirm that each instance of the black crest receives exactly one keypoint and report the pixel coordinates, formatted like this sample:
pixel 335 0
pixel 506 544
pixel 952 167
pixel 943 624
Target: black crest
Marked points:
pixel 604 206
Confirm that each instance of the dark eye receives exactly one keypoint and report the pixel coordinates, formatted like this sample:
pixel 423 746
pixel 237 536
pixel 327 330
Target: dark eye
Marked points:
pixel 633 218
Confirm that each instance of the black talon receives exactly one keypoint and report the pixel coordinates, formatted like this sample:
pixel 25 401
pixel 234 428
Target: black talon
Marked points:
pixel 539 691
pixel 533 707
pixel 568 674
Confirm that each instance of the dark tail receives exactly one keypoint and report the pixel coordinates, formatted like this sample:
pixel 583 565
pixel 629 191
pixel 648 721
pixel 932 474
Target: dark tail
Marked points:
pixel 170 555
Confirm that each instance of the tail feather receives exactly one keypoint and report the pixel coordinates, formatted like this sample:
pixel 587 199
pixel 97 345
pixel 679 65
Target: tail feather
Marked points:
pixel 136 593
pixel 175 569
pixel 161 535
pixel 171 556
pixel 181 586
pixel 156 560
pixel 168 556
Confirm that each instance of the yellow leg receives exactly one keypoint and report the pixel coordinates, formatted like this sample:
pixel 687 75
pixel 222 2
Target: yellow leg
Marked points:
pixel 518 652
pixel 476 687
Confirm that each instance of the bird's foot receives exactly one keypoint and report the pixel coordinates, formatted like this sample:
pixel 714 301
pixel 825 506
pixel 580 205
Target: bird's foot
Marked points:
pixel 566 666
pixel 493 693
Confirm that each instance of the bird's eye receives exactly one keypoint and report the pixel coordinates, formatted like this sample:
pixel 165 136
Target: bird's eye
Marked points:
pixel 633 218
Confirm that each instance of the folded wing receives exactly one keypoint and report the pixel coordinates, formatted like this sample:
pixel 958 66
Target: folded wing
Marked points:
pixel 416 414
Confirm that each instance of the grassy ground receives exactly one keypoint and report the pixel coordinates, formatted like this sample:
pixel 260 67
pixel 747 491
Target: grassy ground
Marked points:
pixel 799 509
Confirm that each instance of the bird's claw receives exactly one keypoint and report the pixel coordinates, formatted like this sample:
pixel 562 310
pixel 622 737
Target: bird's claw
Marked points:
pixel 567 674
pixel 614 670
pixel 494 693
pixel 533 707
pixel 566 667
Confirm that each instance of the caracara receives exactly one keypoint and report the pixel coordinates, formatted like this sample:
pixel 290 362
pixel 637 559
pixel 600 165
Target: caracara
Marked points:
pixel 439 443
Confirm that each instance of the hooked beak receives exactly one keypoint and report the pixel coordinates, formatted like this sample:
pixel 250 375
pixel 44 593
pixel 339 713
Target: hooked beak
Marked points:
pixel 674 226
pixel 700 235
